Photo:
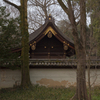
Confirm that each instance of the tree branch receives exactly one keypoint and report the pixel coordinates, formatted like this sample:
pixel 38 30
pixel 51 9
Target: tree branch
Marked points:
pixel 77 16
pixel 77 23
pixel 63 6
pixel 8 2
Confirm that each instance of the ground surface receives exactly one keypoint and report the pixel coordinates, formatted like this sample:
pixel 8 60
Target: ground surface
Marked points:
pixel 43 93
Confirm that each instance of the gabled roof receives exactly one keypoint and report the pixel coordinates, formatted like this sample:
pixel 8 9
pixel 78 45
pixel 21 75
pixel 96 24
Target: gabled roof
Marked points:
pixel 50 24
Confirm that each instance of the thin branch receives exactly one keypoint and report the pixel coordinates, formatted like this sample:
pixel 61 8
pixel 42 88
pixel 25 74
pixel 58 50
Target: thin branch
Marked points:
pixel 40 12
pixel 77 23
pixel 50 4
pixel 63 6
pixel 32 28
pixel 35 21
pixel 77 16
pixel 18 7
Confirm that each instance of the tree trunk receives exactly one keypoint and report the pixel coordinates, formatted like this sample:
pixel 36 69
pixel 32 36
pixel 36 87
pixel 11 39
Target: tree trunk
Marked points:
pixel 79 42
pixel 25 79
pixel 89 85
pixel 81 55
pixel 81 91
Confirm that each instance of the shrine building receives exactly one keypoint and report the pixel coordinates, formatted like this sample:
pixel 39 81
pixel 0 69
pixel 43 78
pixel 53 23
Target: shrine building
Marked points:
pixel 48 42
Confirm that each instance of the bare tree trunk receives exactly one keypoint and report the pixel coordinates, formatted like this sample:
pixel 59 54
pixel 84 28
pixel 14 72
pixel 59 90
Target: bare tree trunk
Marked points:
pixel 81 91
pixel 81 55
pixel 25 81
pixel 89 55
pixel 89 85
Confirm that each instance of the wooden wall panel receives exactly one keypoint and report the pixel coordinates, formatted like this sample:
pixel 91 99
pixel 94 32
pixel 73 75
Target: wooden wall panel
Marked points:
pixel 48 48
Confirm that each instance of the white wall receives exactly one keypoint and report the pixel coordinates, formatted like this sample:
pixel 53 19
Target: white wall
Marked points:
pixel 46 77
pixel 9 77
pixel 53 77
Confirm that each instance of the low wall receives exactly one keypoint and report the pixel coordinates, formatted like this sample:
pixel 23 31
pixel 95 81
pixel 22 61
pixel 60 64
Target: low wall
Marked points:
pixel 46 77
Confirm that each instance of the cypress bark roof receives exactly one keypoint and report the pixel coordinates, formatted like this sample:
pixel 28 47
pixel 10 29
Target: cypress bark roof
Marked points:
pixel 49 22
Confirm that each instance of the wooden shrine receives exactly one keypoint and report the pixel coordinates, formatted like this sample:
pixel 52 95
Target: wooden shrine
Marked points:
pixel 49 42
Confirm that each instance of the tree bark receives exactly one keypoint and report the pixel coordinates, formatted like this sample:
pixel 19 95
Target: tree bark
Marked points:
pixel 81 55
pixel 79 42
pixel 81 90
pixel 25 81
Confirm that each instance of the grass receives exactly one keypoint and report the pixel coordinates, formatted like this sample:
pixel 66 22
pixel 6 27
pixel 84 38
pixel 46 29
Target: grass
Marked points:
pixel 96 93
pixel 42 93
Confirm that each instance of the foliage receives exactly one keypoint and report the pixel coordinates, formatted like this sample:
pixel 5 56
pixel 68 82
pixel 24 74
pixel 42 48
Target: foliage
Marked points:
pixel 65 27
pixel 9 36
pixel 93 7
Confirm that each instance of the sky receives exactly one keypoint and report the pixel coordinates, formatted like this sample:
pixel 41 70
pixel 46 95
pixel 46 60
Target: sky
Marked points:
pixel 17 2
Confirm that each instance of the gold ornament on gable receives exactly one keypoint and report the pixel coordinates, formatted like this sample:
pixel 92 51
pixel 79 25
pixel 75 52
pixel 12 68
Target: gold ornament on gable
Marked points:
pixel 49 35
pixel 33 47
pixel 49 29
pixel 65 47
